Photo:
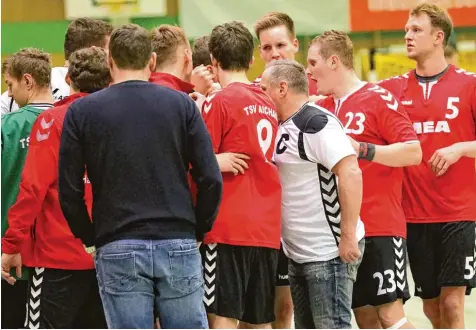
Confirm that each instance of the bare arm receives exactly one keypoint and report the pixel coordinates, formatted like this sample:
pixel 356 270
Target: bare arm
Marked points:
pixel 333 149
pixel 393 155
pixel 443 158
pixel 398 154
pixel 402 146
pixel 468 149
pixel 350 194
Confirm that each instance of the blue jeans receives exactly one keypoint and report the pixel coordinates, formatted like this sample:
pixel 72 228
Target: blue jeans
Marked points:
pixel 322 293
pixel 140 280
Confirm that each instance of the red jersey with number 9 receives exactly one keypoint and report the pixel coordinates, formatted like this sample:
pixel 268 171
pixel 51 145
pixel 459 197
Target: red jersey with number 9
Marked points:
pixel 242 119
pixel 443 112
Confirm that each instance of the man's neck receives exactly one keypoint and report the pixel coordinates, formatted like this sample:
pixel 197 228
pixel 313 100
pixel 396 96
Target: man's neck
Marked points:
pixel 227 77
pixel 291 106
pixel 127 75
pixel 174 70
pixel 41 96
pixel 432 65
pixel 72 90
pixel 349 82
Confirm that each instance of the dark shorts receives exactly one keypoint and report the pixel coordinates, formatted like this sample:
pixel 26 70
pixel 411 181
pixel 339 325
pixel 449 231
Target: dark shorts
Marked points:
pixel 442 255
pixel 14 304
pixel 240 282
pixel 64 299
pixel 382 275
pixel 282 277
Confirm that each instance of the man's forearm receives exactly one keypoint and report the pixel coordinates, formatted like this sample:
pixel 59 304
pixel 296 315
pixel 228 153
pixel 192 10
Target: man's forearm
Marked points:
pixel 398 154
pixel 350 198
pixel 468 149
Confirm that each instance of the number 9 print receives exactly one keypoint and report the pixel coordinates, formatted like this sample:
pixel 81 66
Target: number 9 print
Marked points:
pixel 264 126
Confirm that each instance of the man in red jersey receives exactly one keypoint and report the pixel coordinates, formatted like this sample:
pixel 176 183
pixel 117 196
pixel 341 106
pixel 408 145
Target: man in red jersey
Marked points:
pixel 174 67
pixel 275 32
pixel 439 195
pixel 386 143
pixel 240 253
pixel 174 70
pixel 63 287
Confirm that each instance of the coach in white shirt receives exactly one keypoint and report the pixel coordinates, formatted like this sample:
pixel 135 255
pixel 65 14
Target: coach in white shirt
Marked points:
pixel 322 195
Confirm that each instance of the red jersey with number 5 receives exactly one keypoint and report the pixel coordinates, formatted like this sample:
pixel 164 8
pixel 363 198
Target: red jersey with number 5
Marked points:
pixel 372 114
pixel 443 112
pixel 242 119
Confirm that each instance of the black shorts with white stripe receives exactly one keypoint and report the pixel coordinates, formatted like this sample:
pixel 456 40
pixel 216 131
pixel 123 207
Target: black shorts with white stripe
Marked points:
pixel 61 299
pixel 382 275
pixel 240 282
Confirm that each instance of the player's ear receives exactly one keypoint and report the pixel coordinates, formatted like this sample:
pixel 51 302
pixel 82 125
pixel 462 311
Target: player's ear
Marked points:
pixel 252 60
pixel 333 62
pixel 296 44
pixel 439 37
pixel 283 89
pixel 67 78
pixel 153 62
pixel 210 69
pixel 28 80
pixel 260 50
pixel 188 55
pixel 110 62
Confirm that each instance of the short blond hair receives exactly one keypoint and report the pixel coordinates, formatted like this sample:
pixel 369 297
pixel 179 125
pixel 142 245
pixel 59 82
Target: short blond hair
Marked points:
pixel 439 18
pixel 272 20
pixel 165 41
pixel 334 42
pixel 30 61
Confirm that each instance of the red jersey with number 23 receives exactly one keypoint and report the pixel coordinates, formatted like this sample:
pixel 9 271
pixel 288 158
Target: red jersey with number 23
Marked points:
pixel 242 119
pixel 443 112
pixel 372 114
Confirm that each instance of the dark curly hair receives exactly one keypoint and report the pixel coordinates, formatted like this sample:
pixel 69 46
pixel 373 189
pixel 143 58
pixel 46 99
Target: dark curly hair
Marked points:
pixel 88 70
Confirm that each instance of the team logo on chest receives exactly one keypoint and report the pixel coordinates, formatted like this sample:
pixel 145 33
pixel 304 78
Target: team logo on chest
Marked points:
pixel 281 146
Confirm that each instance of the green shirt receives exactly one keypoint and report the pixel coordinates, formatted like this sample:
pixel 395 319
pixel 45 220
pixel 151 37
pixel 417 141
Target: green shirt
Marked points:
pixel 16 128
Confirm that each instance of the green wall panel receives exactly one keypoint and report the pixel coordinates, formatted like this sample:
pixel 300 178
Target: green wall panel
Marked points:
pixel 47 36
pixel 151 22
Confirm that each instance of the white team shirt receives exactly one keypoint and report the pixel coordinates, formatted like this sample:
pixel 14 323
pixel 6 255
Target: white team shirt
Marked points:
pixel 308 146
pixel 59 88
